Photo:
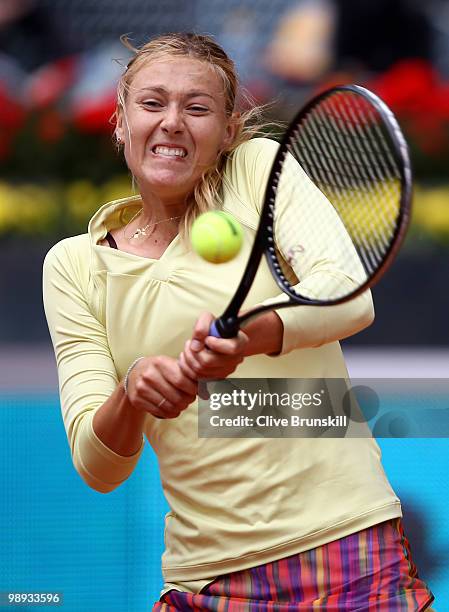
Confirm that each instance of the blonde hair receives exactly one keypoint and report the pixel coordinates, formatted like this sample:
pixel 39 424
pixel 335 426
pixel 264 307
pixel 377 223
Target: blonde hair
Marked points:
pixel 248 122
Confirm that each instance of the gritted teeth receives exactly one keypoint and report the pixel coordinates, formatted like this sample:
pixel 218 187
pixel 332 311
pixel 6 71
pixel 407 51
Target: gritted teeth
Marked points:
pixel 169 151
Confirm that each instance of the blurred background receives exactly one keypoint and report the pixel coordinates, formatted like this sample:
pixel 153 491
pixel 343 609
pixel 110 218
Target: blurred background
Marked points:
pixel 59 64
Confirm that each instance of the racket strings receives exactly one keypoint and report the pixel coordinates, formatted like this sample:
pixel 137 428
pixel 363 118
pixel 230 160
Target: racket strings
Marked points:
pixel 327 175
pixel 386 175
pixel 376 170
pixel 344 148
pixel 371 162
pixel 380 156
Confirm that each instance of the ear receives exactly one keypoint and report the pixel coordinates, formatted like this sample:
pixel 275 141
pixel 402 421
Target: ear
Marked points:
pixel 119 127
pixel 231 130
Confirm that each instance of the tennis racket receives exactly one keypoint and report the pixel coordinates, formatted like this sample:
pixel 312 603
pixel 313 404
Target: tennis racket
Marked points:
pixel 336 208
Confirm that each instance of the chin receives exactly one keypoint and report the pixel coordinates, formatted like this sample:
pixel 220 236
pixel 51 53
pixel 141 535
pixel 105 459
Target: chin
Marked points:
pixel 169 183
pixel 166 178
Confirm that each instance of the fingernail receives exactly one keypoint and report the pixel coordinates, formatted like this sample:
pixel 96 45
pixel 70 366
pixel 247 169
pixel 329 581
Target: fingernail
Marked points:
pixel 195 345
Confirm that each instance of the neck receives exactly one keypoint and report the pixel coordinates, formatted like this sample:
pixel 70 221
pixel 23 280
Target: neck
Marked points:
pixel 157 219
pixel 156 208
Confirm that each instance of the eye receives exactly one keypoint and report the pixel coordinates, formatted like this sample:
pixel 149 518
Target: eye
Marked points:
pixel 198 108
pixel 152 104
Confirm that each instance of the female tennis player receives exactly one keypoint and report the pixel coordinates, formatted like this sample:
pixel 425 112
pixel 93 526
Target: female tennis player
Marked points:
pixel 255 524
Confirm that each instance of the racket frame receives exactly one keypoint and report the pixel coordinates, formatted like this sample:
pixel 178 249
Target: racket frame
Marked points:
pixel 228 324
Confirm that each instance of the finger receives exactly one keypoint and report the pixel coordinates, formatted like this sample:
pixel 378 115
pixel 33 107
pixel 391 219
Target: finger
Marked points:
pixel 220 366
pixel 166 410
pixel 151 400
pixel 202 391
pixel 160 388
pixel 227 346
pixel 186 370
pixel 194 369
pixel 220 371
pixel 155 388
pixel 201 330
pixel 174 376
pixel 191 359
pixel 207 363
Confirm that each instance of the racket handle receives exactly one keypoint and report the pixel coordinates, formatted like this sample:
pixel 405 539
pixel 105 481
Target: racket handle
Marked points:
pixel 222 328
pixel 213 331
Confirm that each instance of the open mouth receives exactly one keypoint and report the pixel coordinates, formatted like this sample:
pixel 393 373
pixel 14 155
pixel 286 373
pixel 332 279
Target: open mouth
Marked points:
pixel 174 152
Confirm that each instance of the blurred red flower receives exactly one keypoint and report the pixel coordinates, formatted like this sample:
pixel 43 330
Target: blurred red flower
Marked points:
pixel 94 115
pixel 12 117
pixel 51 82
pixel 12 114
pixel 414 91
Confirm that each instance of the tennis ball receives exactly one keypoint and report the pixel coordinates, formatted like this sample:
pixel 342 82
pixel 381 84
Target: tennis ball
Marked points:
pixel 216 236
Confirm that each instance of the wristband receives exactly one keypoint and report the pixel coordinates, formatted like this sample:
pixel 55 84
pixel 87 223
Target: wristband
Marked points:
pixel 125 382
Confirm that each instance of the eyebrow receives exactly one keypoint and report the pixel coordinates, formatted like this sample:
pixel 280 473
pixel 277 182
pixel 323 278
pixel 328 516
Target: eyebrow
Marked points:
pixel 163 90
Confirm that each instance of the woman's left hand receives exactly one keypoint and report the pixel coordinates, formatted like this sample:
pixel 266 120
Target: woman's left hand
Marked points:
pixel 206 357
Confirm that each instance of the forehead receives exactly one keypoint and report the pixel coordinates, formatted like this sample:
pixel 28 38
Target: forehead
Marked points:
pixel 178 74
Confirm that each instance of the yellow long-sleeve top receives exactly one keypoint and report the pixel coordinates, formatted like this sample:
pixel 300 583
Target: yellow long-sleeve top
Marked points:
pixel 235 503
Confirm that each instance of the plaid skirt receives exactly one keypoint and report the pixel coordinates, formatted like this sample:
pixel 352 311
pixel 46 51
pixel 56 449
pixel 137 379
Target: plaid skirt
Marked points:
pixel 368 571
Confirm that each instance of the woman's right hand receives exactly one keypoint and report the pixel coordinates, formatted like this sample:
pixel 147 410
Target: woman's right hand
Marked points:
pixel 157 385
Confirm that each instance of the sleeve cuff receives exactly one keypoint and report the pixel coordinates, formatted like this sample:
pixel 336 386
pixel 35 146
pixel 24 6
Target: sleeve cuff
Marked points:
pixel 98 465
pixel 312 326
pixel 296 331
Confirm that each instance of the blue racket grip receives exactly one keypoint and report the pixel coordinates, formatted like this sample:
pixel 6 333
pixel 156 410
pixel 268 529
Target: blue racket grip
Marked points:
pixel 224 328
pixel 213 331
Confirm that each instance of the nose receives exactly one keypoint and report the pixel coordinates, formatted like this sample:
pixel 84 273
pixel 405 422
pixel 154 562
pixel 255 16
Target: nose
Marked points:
pixel 172 120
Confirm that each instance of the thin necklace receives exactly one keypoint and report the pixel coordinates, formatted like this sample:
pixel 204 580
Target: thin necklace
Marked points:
pixel 142 231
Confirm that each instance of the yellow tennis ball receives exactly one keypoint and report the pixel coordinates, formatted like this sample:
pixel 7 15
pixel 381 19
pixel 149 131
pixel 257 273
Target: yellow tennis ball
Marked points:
pixel 216 236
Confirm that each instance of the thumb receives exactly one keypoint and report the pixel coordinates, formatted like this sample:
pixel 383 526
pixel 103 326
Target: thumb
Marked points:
pixel 201 331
